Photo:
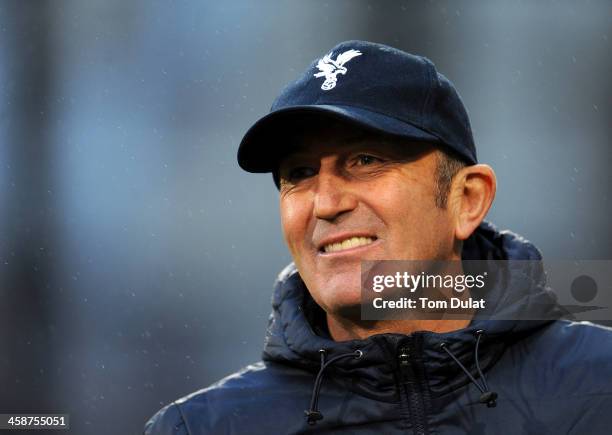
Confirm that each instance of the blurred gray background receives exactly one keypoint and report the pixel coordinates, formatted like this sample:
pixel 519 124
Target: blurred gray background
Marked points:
pixel 136 259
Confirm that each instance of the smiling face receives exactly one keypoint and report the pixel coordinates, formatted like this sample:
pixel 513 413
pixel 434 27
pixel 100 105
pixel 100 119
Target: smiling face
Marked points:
pixel 349 195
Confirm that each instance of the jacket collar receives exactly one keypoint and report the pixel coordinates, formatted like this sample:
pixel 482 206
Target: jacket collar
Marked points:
pixel 296 331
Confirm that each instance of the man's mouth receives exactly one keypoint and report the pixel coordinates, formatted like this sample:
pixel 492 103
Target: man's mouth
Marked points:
pixel 348 243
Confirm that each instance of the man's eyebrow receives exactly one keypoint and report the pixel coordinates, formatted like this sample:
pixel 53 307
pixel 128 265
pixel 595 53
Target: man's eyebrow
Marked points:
pixel 400 148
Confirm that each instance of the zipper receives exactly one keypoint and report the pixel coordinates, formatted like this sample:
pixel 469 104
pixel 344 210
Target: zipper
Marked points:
pixel 410 387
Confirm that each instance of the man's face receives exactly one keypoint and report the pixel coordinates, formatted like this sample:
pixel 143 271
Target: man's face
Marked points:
pixel 348 195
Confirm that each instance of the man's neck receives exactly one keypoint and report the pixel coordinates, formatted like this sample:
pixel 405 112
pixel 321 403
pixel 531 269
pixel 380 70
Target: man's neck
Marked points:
pixel 343 328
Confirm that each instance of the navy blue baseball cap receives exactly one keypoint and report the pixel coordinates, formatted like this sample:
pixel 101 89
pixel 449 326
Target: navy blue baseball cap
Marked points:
pixel 372 85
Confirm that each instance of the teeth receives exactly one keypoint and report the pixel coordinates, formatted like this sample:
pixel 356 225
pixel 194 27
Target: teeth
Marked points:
pixel 348 243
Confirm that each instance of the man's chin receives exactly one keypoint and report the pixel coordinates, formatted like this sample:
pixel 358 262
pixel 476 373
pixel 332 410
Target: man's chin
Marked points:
pixel 339 295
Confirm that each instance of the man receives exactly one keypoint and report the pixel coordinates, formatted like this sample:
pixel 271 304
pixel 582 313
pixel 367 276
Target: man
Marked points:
pixel 373 154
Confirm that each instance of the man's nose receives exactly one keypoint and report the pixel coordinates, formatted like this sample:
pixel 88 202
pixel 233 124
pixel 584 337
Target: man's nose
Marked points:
pixel 334 195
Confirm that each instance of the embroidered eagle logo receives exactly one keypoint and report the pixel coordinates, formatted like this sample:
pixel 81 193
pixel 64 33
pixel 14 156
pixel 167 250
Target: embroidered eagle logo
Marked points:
pixel 330 68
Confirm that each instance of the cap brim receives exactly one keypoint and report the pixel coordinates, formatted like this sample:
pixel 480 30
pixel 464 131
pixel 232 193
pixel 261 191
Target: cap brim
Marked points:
pixel 264 144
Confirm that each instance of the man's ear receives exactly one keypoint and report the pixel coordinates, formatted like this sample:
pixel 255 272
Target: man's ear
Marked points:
pixel 473 190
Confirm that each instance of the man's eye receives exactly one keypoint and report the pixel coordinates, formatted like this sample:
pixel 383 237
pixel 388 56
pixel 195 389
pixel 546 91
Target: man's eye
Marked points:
pixel 300 172
pixel 366 159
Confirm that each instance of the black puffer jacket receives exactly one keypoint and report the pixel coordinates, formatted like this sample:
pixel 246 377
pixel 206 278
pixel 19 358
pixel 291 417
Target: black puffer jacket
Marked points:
pixel 549 376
